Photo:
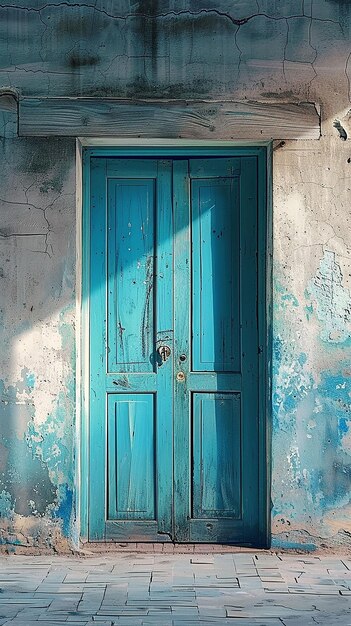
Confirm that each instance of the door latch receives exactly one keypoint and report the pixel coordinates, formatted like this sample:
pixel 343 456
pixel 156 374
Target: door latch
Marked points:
pixel 164 352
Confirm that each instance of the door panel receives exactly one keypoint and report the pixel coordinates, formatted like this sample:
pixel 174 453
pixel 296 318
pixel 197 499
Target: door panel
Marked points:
pixel 219 200
pixel 216 453
pixel 215 274
pixel 174 443
pixel 131 456
pixel 131 284
pixel 130 396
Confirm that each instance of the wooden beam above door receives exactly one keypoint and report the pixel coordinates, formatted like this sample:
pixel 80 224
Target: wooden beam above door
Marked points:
pixel 216 120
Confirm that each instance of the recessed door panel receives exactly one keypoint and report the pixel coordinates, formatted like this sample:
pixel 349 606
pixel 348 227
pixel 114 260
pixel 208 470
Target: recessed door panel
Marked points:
pixel 131 284
pixel 216 452
pixel 215 274
pixel 131 457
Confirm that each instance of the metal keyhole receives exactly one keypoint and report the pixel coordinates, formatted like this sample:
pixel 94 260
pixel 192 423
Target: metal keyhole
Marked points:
pixel 164 352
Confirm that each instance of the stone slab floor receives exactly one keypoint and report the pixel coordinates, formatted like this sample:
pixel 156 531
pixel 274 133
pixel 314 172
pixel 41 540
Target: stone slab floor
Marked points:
pixel 134 589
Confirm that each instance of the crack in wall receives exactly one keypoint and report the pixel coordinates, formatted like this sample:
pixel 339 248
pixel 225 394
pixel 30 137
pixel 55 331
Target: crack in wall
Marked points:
pixel 313 48
pixel 148 16
pixel 48 246
pixel 348 78
pixel 85 81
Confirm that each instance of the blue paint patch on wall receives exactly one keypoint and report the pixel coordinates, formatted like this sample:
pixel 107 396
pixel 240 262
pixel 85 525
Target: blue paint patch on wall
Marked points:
pixel 30 381
pixel 24 478
pixel 283 544
pixel 28 481
pixel 6 506
pixel 302 358
pixel 291 383
pixel 317 416
pixel 288 298
pixel 335 390
pixel 36 467
pixel 311 420
pixel 64 508
pixel 331 300
pixel 309 310
pixel 52 441
pixel 311 413
pixel 343 425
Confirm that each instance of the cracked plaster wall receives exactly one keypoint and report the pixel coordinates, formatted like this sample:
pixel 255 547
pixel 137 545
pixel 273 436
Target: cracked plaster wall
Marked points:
pixel 264 50
pixel 37 269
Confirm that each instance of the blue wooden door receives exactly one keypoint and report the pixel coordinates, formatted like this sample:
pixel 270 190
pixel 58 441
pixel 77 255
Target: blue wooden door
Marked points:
pixel 174 433
pixel 216 424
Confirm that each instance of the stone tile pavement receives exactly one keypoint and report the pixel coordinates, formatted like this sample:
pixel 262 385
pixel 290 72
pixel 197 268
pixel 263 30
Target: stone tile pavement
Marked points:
pixel 149 589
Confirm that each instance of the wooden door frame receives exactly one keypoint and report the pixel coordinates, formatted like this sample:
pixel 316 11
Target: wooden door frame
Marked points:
pixel 184 149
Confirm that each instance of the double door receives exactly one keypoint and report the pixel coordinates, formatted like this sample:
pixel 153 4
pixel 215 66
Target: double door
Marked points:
pixel 173 350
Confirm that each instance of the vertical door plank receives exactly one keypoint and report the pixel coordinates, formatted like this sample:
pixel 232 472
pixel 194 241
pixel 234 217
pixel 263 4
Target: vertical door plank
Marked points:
pixel 265 259
pixel 249 312
pixel 182 467
pixel 97 357
pixel 164 316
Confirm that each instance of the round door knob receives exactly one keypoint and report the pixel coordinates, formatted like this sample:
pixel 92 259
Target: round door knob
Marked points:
pixel 181 377
pixel 164 352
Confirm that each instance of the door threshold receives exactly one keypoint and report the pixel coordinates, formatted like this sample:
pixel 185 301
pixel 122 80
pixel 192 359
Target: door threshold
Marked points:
pixel 165 548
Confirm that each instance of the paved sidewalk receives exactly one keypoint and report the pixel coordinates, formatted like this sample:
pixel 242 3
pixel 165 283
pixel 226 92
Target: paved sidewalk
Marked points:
pixel 241 589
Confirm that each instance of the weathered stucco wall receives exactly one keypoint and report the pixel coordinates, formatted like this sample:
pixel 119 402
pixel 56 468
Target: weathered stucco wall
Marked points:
pixel 312 332
pixel 37 341
pixel 263 50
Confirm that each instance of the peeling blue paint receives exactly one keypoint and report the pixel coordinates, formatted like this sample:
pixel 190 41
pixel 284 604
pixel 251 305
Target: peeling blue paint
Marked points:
pixel 282 544
pixel 6 506
pixel 36 477
pixel 284 298
pixel 343 425
pixel 64 508
pixel 332 300
pixel 25 479
pixel 52 443
pixel 317 417
pixel 312 412
pixel 289 298
pixel 30 381
pixel 309 310
pixel 291 383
